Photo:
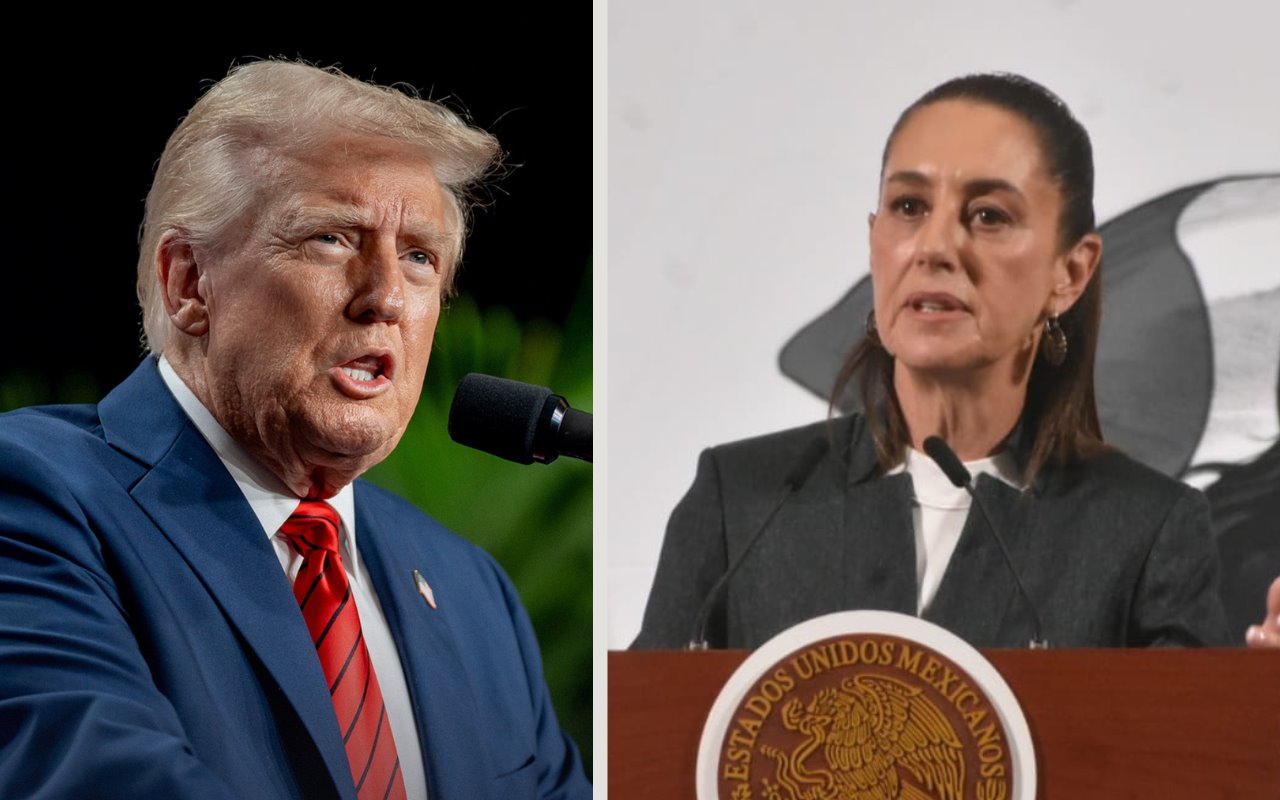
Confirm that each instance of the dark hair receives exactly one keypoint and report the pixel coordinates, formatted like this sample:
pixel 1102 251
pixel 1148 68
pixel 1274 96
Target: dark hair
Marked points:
pixel 1060 407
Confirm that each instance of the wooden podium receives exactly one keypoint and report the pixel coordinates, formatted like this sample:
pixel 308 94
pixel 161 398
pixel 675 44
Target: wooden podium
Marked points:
pixel 1159 724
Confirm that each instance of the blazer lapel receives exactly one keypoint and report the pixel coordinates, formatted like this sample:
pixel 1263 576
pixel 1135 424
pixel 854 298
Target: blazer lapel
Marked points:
pixel 978 598
pixel 879 553
pixel 196 504
pixel 434 669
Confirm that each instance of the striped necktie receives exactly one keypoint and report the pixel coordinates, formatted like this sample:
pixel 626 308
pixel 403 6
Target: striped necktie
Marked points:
pixel 323 592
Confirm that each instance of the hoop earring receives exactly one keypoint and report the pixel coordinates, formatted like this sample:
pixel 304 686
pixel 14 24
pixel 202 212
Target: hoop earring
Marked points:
pixel 1053 344
pixel 873 334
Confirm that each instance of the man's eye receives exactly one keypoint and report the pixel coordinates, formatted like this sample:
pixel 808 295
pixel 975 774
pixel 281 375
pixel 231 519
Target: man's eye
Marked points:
pixel 327 238
pixel 420 257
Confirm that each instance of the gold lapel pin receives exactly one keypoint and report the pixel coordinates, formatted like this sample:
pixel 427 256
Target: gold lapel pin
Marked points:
pixel 424 588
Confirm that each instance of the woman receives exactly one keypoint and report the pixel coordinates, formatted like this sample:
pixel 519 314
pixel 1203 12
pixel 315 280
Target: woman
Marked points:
pixel 984 261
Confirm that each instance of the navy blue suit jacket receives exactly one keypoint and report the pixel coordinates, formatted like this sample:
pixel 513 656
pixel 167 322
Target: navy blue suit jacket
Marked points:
pixel 150 644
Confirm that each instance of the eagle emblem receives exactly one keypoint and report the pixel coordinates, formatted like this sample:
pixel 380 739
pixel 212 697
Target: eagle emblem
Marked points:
pixel 873 738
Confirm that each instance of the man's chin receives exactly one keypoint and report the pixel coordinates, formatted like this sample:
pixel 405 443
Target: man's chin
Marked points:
pixel 326 470
pixel 355 441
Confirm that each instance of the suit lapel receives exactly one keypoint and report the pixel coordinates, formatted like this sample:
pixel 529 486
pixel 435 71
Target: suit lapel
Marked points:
pixel 879 552
pixel 434 669
pixel 196 504
pixel 879 545
pixel 978 598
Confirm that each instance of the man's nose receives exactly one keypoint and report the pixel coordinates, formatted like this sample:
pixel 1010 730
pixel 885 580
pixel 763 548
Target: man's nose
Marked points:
pixel 379 286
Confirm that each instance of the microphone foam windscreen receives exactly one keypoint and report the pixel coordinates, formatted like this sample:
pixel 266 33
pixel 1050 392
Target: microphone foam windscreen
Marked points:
pixel 497 415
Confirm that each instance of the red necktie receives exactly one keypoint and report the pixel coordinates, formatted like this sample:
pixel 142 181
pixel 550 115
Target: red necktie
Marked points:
pixel 324 594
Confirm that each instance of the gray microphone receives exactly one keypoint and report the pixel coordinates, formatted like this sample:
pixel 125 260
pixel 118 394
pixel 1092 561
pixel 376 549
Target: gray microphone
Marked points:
pixel 517 421
pixel 954 469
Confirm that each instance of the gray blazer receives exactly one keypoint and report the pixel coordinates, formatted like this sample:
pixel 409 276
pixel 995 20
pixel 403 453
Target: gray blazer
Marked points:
pixel 1111 552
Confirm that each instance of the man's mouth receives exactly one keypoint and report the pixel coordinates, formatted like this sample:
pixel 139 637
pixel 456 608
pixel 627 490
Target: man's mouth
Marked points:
pixel 359 374
pixel 365 368
pixel 365 376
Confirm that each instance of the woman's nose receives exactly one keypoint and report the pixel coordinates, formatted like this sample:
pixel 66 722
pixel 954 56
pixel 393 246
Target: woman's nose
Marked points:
pixel 936 241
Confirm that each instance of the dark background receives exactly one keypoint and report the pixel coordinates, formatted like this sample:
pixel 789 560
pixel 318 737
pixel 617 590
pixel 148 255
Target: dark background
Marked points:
pixel 86 131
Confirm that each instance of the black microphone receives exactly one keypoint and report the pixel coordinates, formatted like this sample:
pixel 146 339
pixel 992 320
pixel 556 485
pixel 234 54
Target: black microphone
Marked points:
pixel 517 421
pixel 795 479
pixel 949 462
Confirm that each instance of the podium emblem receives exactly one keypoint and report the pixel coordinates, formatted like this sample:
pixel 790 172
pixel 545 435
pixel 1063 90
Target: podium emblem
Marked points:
pixel 866 705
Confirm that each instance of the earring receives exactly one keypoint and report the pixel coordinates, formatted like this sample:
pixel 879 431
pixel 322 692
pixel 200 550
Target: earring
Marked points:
pixel 1053 344
pixel 873 335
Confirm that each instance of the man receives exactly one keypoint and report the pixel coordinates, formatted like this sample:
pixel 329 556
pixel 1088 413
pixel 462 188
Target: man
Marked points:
pixel 197 599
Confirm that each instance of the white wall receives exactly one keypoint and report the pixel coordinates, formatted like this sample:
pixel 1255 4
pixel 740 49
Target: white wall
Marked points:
pixel 744 141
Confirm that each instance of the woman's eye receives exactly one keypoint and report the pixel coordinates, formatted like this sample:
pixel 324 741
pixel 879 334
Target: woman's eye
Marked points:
pixel 990 216
pixel 908 206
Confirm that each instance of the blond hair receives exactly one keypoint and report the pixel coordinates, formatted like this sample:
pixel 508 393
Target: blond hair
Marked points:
pixel 206 179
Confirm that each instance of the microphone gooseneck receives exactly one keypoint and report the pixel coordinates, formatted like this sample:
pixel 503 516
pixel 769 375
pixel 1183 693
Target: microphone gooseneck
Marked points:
pixel 947 460
pixel 792 483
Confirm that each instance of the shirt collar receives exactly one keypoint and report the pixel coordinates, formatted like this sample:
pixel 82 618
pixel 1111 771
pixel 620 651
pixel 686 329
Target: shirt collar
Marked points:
pixel 865 465
pixel 270 499
pixel 933 488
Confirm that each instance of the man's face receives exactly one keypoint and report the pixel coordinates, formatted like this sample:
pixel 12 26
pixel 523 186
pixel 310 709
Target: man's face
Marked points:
pixel 322 306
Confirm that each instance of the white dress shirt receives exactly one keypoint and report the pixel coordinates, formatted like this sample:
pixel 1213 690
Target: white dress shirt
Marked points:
pixel 272 503
pixel 939 509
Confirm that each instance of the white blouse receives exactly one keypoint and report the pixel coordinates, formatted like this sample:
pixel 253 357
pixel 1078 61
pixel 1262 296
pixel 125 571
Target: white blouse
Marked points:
pixel 939 509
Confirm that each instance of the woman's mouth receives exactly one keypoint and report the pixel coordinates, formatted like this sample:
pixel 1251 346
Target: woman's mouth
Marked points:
pixel 935 303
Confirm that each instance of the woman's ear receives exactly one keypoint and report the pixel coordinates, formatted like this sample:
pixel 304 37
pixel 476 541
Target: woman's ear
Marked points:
pixel 1073 272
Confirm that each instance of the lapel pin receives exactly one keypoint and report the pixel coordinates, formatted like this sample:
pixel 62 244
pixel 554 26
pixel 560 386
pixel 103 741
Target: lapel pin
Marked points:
pixel 424 588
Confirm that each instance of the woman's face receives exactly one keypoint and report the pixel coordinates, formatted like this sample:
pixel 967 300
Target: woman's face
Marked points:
pixel 965 255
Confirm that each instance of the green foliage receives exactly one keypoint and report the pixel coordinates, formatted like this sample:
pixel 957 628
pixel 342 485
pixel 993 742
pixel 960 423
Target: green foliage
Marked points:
pixel 20 388
pixel 535 520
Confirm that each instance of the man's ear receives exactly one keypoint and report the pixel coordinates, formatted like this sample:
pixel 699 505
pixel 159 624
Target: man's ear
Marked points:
pixel 180 286
pixel 1074 272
